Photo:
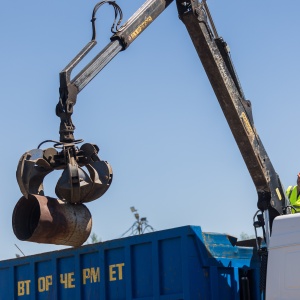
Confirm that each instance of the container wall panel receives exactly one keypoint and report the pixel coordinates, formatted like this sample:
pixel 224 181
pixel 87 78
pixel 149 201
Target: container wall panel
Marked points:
pixel 5 284
pixel 170 266
pixel 115 281
pixel 142 270
pixel 45 286
pixel 90 275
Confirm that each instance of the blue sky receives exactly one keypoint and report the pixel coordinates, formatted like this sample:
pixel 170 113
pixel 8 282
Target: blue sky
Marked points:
pixel 151 111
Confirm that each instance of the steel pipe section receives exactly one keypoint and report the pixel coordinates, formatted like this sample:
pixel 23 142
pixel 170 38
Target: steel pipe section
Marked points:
pixel 48 220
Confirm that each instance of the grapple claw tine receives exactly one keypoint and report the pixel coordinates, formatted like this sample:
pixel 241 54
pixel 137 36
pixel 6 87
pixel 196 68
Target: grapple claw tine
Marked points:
pixel 31 171
pixel 70 189
pixel 102 178
pixel 75 184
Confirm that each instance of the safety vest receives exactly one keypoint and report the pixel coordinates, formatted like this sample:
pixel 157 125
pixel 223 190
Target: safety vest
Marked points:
pixel 292 194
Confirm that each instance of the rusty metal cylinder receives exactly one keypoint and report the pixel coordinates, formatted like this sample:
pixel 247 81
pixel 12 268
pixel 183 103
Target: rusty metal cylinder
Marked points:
pixel 48 220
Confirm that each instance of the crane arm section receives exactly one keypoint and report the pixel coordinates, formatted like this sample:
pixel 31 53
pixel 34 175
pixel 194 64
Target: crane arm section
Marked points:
pixel 215 58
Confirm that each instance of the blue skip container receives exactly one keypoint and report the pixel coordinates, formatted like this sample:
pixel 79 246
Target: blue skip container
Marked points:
pixel 179 263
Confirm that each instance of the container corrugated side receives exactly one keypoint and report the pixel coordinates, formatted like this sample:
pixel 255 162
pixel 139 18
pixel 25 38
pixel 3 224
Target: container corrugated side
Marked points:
pixel 179 263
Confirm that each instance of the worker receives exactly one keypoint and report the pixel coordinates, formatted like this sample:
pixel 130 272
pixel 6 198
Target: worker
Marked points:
pixel 293 193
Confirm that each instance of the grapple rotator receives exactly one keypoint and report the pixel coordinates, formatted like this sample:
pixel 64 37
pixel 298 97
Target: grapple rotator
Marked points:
pixel 84 178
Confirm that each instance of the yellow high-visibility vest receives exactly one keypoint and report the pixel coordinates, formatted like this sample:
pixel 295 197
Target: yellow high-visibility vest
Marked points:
pixel 292 194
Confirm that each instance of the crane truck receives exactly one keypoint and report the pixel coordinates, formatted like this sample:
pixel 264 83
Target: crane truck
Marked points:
pixel 183 264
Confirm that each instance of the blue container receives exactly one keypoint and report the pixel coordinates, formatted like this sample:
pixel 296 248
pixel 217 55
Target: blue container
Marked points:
pixel 180 263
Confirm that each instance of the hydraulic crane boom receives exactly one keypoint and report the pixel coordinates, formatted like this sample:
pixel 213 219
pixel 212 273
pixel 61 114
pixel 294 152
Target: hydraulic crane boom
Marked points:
pixel 215 57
